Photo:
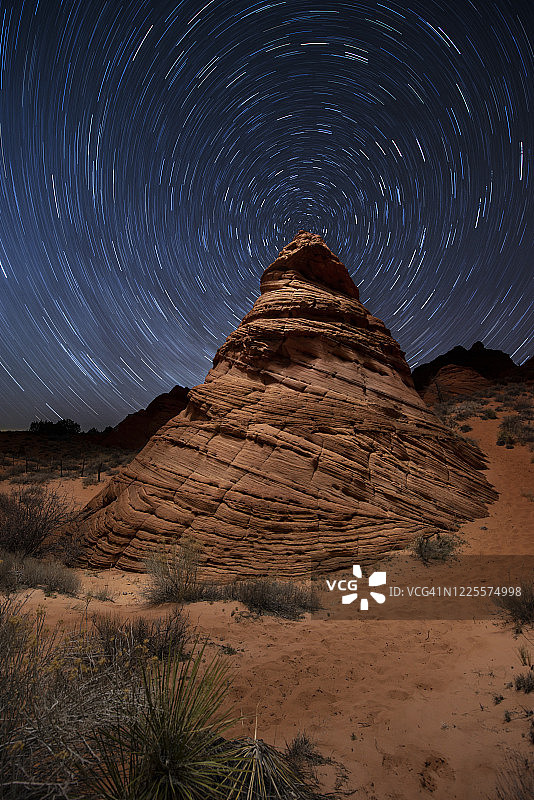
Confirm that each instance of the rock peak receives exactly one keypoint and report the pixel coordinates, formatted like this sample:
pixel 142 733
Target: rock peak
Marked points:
pixel 306 443
pixel 308 259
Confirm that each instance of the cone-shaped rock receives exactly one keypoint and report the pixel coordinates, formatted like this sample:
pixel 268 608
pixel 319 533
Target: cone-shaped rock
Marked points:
pixel 306 441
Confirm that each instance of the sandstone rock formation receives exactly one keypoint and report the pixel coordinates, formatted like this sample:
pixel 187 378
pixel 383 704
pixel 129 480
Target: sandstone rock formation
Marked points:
pixel 307 441
pixel 494 365
pixel 453 382
pixel 134 431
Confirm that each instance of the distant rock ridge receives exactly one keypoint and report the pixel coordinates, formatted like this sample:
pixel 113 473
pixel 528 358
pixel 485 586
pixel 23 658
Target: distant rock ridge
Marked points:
pixel 134 431
pixel 493 365
pixel 307 442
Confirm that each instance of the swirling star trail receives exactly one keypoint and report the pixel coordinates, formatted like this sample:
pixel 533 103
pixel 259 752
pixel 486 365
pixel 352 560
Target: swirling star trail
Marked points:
pixel 155 157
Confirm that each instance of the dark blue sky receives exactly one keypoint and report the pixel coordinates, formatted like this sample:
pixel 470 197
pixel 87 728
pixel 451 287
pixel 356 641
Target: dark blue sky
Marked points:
pixel 155 157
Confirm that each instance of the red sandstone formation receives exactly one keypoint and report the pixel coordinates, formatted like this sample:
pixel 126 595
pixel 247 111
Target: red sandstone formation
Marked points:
pixel 452 382
pixel 306 441
pixel 134 431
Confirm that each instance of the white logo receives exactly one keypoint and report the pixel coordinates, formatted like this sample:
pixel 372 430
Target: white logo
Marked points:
pixel 376 579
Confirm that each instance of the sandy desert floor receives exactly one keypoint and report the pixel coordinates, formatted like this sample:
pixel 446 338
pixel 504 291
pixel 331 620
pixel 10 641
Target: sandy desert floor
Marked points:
pixel 406 707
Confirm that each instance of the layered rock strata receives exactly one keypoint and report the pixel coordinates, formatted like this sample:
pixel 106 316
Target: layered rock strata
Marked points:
pixel 453 382
pixel 306 444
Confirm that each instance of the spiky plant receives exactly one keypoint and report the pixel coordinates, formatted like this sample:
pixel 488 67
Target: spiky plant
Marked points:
pixel 171 746
pixel 261 772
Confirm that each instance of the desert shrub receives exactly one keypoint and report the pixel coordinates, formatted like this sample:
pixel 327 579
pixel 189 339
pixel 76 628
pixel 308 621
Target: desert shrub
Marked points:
pixel 511 390
pixel 524 406
pixel 270 596
pixel 436 546
pixel 173 578
pixel 466 409
pixel 519 608
pixel 66 546
pixel 29 516
pixel 445 413
pixel 524 682
pixel 157 637
pixel 489 413
pixel 304 757
pixel 54 691
pixel 514 430
pixel 516 779
pixel 301 748
pixel 19 572
pixel 49 575
pixel 465 428
pixel 174 575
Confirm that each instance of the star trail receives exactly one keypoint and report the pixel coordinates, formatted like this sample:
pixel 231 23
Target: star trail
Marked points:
pixel 155 157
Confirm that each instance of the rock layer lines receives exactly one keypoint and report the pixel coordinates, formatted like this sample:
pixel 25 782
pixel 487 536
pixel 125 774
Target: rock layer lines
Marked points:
pixel 307 441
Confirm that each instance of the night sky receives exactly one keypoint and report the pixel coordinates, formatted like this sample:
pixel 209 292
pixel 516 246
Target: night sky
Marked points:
pixel 155 157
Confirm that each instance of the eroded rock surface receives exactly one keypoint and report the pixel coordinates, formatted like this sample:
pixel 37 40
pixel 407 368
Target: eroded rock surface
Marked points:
pixel 306 441
pixel 453 382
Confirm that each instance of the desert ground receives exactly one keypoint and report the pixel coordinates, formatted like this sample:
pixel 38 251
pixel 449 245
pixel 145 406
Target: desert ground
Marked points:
pixel 401 709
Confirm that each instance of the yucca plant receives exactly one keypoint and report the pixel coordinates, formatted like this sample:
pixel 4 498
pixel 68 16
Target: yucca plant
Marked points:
pixel 172 746
pixel 261 772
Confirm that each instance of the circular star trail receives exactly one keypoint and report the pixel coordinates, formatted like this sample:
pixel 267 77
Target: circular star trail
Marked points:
pixel 155 157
